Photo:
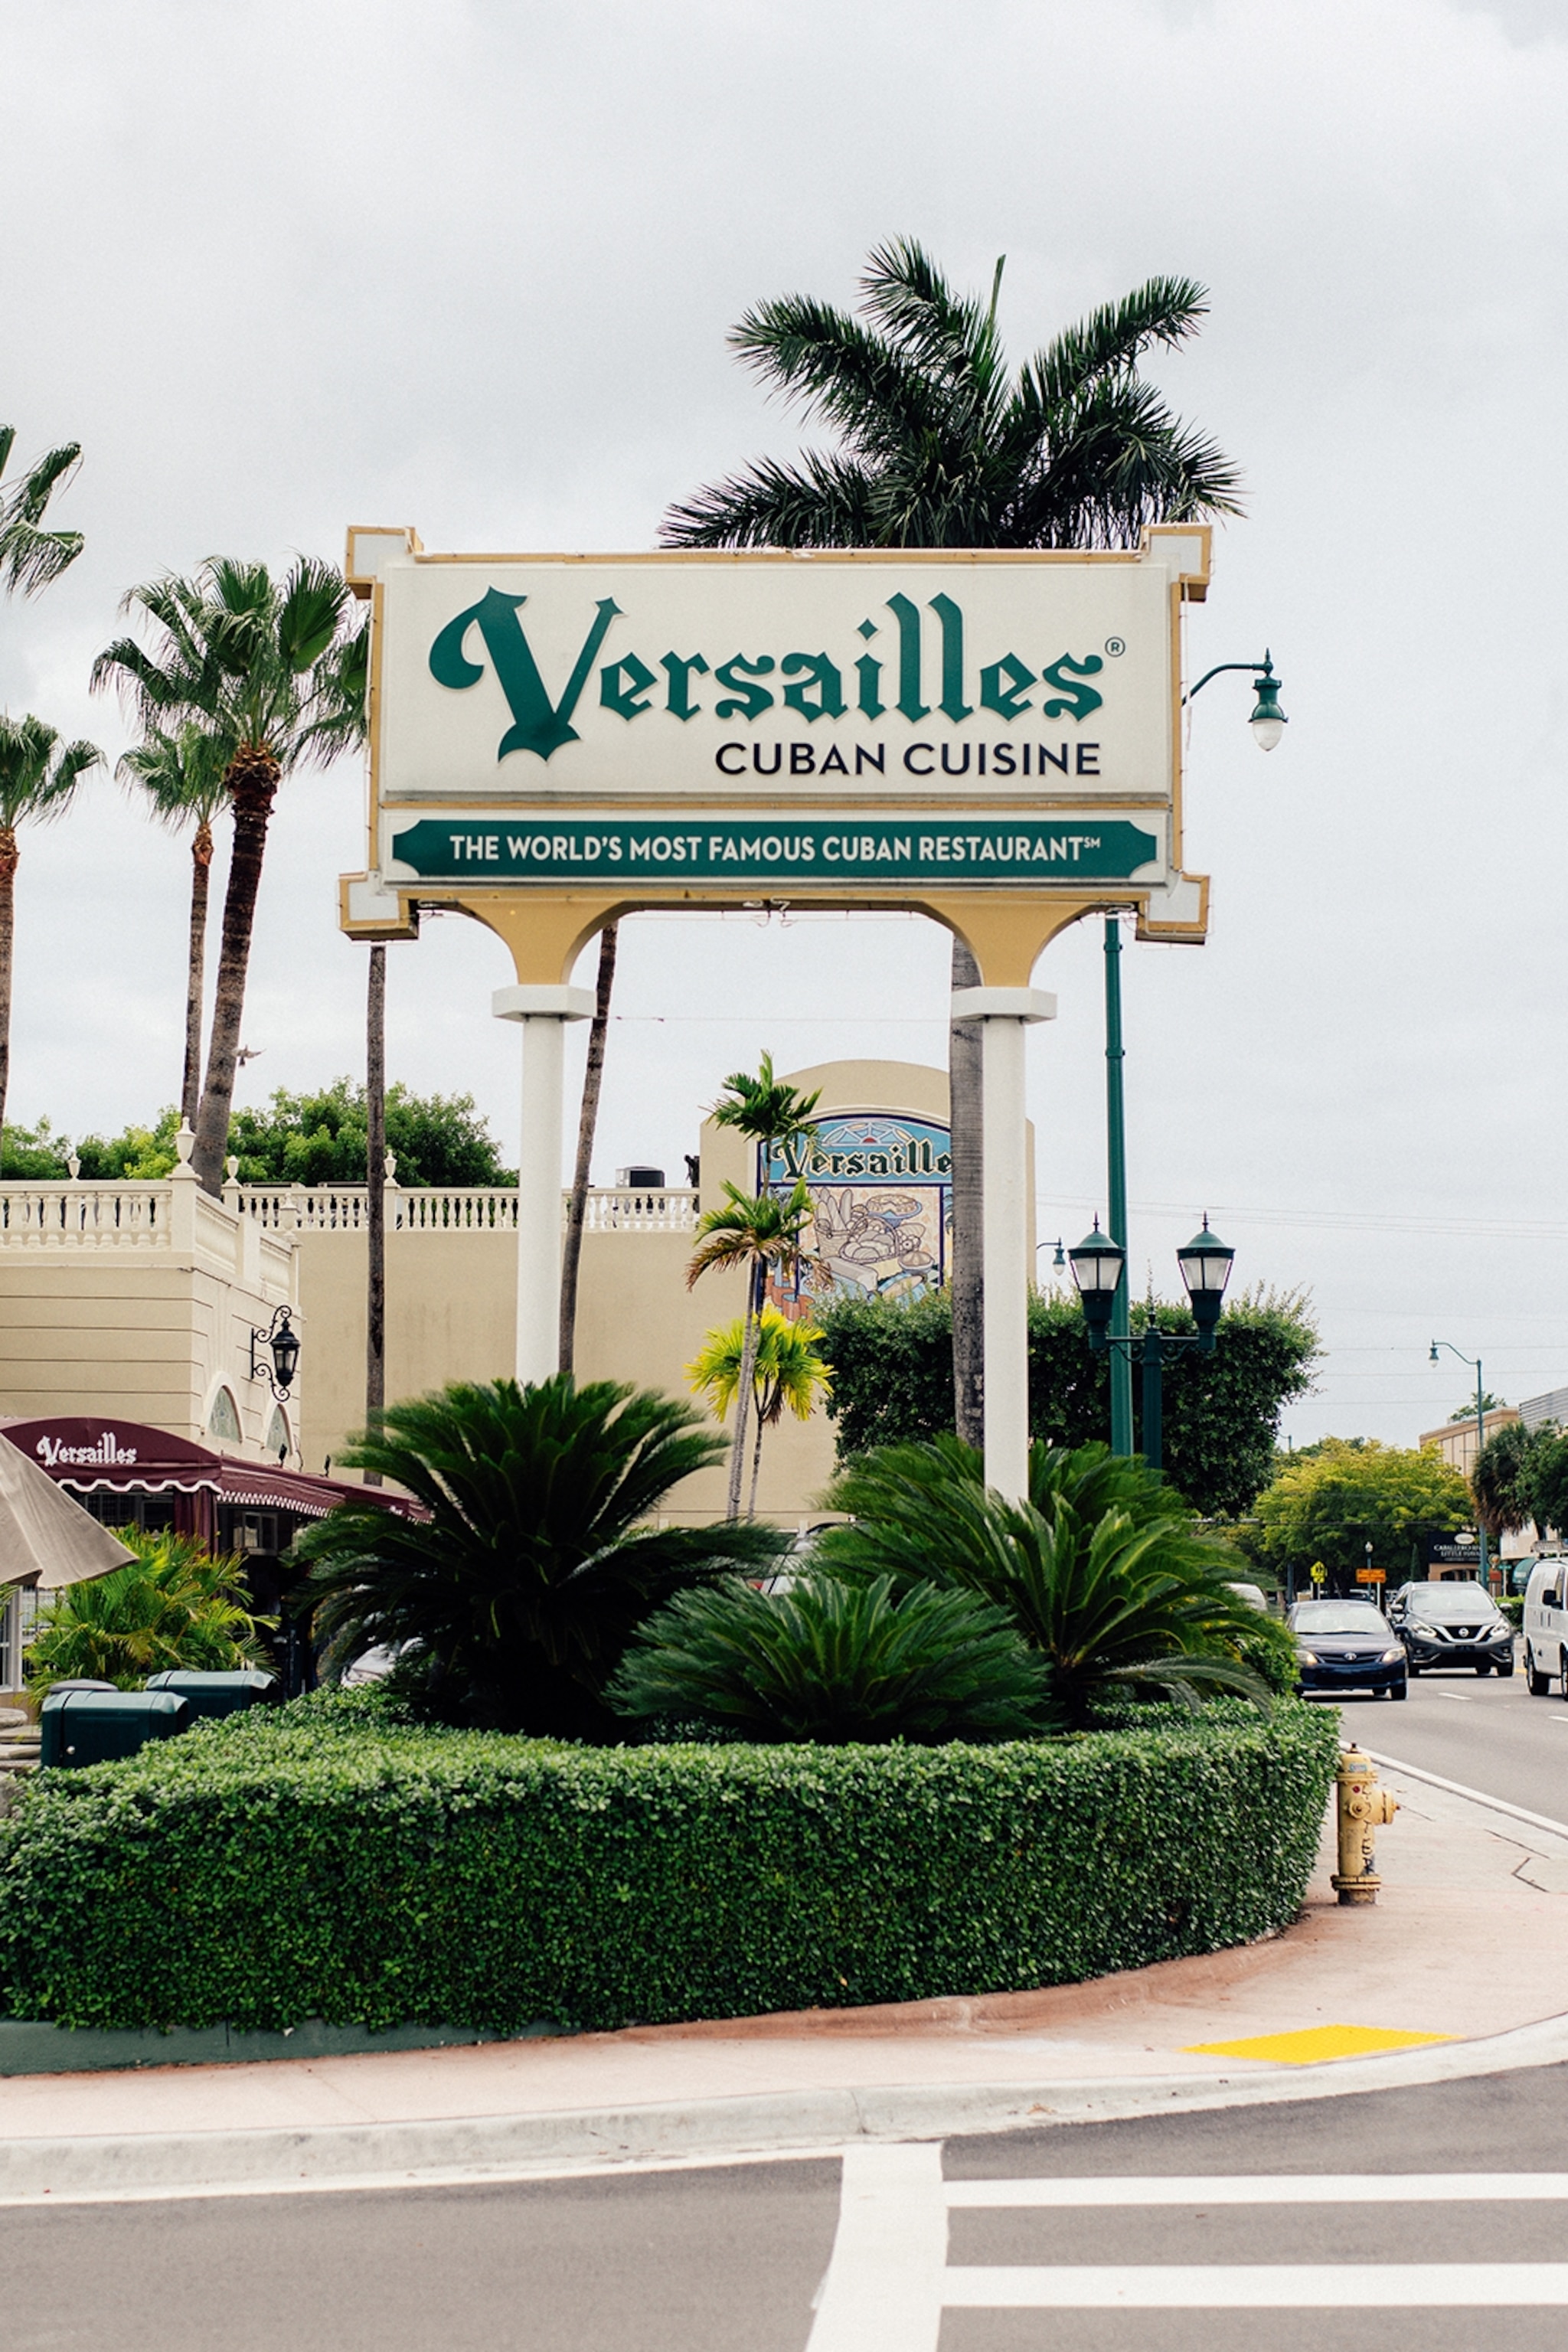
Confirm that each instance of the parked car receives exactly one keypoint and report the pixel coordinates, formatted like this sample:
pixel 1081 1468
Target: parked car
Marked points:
pixel 1346 1645
pixel 1452 1623
pixel 1546 1627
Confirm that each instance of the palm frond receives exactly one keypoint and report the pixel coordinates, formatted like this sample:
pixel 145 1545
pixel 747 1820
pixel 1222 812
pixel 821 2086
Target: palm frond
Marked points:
pixel 31 557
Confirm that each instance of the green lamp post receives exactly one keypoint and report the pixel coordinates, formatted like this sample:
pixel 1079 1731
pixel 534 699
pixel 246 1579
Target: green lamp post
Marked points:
pixel 1100 1269
pixel 1481 1441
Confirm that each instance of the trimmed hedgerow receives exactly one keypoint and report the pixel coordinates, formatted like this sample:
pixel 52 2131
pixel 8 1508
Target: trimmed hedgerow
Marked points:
pixel 330 1861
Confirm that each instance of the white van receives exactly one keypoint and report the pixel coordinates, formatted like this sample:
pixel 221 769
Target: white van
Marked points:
pixel 1546 1627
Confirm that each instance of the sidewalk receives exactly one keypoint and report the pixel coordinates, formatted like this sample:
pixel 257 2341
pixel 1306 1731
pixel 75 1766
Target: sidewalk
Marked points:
pixel 1470 1941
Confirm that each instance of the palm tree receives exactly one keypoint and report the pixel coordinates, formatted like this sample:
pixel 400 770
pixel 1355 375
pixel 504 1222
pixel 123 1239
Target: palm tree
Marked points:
pixel 514 1597
pixel 38 774
pixel 276 669
pixel 587 1121
pixel 183 774
pixel 755 1233
pixel 789 1370
pixel 773 1115
pixel 940 445
pixel 30 557
pixel 174 1605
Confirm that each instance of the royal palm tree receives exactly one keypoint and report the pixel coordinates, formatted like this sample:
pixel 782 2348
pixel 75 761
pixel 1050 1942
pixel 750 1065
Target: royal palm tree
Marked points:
pixel 30 557
pixel 755 1233
pixel 276 668
pixel 38 774
pixel 515 1596
pixel 184 776
pixel 789 1371
pixel 941 445
pixel 587 1122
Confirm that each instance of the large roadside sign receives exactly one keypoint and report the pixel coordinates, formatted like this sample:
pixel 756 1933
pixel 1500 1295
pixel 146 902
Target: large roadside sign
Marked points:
pixel 855 727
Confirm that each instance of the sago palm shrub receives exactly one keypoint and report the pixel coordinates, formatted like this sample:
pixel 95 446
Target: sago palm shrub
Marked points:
pixel 835 1663
pixel 175 1604
pixel 510 1600
pixel 1108 1586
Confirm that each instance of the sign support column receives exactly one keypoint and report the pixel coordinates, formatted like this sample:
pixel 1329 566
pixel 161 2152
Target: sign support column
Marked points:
pixel 1004 1013
pixel 543 1012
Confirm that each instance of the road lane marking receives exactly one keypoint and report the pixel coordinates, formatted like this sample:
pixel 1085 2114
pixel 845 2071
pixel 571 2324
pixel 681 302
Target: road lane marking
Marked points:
pixel 1255 2286
pixel 883 2291
pixel 1268 2188
pixel 1459 1789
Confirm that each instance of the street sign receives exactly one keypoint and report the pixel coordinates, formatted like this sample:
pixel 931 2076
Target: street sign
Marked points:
pixel 851 726
pixel 1372 1576
pixel 1318 1572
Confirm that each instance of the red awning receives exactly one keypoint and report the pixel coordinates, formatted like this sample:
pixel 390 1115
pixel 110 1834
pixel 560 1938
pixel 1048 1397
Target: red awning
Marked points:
pixel 91 1455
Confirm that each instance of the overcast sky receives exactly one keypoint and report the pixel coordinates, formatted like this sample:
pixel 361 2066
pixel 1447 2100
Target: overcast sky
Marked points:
pixel 470 264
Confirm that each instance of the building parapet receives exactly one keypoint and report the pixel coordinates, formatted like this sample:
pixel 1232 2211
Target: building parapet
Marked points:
pixel 468 1208
pixel 168 1218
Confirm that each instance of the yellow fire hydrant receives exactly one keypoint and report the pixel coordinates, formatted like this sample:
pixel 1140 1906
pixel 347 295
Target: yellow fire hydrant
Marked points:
pixel 1363 1807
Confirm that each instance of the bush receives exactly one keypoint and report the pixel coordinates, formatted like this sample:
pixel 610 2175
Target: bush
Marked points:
pixel 835 1663
pixel 327 1861
pixel 174 1605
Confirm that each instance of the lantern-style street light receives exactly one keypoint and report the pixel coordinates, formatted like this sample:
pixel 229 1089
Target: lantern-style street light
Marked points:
pixel 1480 1442
pixel 281 1343
pixel 1098 1263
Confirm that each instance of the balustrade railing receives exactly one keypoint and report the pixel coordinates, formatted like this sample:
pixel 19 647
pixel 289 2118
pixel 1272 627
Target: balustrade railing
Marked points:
pixel 63 1215
pixel 340 1208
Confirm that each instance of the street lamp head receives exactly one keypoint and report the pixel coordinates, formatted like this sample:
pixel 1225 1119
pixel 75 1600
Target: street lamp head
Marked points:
pixel 1433 1358
pixel 1097 1266
pixel 1205 1264
pixel 285 1346
pixel 1268 721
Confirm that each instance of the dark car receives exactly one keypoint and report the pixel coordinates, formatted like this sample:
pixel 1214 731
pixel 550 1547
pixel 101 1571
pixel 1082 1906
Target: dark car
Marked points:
pixel 1452 1624
pixel 1344 1645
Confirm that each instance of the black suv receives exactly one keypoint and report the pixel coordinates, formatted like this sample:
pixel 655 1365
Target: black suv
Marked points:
pixel 1452 1624
pixel 1346 1645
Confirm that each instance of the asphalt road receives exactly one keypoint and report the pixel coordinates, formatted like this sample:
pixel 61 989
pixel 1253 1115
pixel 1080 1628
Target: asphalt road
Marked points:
pixel 1479 1729
pixel 1193 2233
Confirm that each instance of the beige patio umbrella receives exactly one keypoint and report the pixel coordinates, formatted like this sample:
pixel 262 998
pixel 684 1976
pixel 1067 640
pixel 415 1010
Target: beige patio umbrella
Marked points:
pixel 45 1537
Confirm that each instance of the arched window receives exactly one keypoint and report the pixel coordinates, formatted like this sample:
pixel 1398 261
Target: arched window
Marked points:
pixel 280 1436
pixel 223 1418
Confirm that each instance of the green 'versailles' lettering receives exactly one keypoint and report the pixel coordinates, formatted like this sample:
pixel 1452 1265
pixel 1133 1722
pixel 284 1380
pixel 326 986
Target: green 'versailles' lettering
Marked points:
pixel 1008 701
pixel 1077 701
pixel 620 684
pixel 908 621
pixel 538 724
pixel 952 619
pixel 749 701
pixel 820 673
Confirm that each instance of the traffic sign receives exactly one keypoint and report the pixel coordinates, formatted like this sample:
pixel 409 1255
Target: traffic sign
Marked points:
pixel 1372 1576
pixel 1318 1572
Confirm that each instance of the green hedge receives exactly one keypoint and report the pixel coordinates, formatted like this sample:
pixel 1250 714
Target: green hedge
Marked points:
pixel 322 1861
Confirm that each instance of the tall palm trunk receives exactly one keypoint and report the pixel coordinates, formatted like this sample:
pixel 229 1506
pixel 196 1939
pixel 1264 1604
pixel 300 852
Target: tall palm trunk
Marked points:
pixel 965 1079
pixel 252 783
pixel 754 1278
pixel 375 1193
pixel 588 1119
pixel 766 1407
pixel 9 854
pixel 201 875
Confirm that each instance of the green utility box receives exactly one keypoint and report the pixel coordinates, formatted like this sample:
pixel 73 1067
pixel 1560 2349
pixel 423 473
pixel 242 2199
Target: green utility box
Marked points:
pixel 91 1727
pixel 209 1695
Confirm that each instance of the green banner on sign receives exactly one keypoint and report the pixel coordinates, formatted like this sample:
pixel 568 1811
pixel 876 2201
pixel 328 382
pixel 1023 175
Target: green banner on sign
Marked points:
pixel 773 849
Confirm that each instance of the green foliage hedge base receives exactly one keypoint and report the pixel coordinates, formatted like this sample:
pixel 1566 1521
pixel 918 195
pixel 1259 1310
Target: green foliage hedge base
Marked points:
pixel 326 1863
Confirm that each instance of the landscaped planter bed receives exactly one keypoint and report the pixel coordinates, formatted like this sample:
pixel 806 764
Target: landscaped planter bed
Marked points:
pixel 324 1862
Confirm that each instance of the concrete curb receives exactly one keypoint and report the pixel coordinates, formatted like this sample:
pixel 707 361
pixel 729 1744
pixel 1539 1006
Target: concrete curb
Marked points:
pixel 782 2124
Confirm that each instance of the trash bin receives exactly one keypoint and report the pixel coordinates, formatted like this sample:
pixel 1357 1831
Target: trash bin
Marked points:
pixel 92 1726
pixel 209 1695
pixel 79 1683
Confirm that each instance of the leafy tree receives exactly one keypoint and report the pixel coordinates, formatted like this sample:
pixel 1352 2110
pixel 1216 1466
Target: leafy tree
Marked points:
pixel 184 774
pixel 30 557
pixel 1490 1403
pixel 513 1599
pixel 1503 1477
pixel 835 1663
pixel 892 1365
pixel 940 445
pixel 788 1371
pixel 277 670
pixel 38 777
pixel 1328 1502
pixel 320 1138
pixel 175 1605
pixel 1109 1597
pixel 751 1233
pixel 36 1151
pixel 1545 1483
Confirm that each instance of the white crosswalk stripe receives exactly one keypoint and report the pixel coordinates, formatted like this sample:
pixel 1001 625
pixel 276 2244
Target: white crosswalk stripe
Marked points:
pixel 889 2281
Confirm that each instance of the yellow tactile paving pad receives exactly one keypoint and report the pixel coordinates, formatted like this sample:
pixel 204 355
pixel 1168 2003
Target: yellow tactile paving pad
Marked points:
pixel 1315 2043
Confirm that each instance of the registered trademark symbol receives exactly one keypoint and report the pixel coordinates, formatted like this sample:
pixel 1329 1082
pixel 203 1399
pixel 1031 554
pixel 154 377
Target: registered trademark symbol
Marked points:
pixel 1115 644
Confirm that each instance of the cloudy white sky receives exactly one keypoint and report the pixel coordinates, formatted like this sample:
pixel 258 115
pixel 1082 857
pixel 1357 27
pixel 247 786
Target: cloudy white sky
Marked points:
pixel 469 264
